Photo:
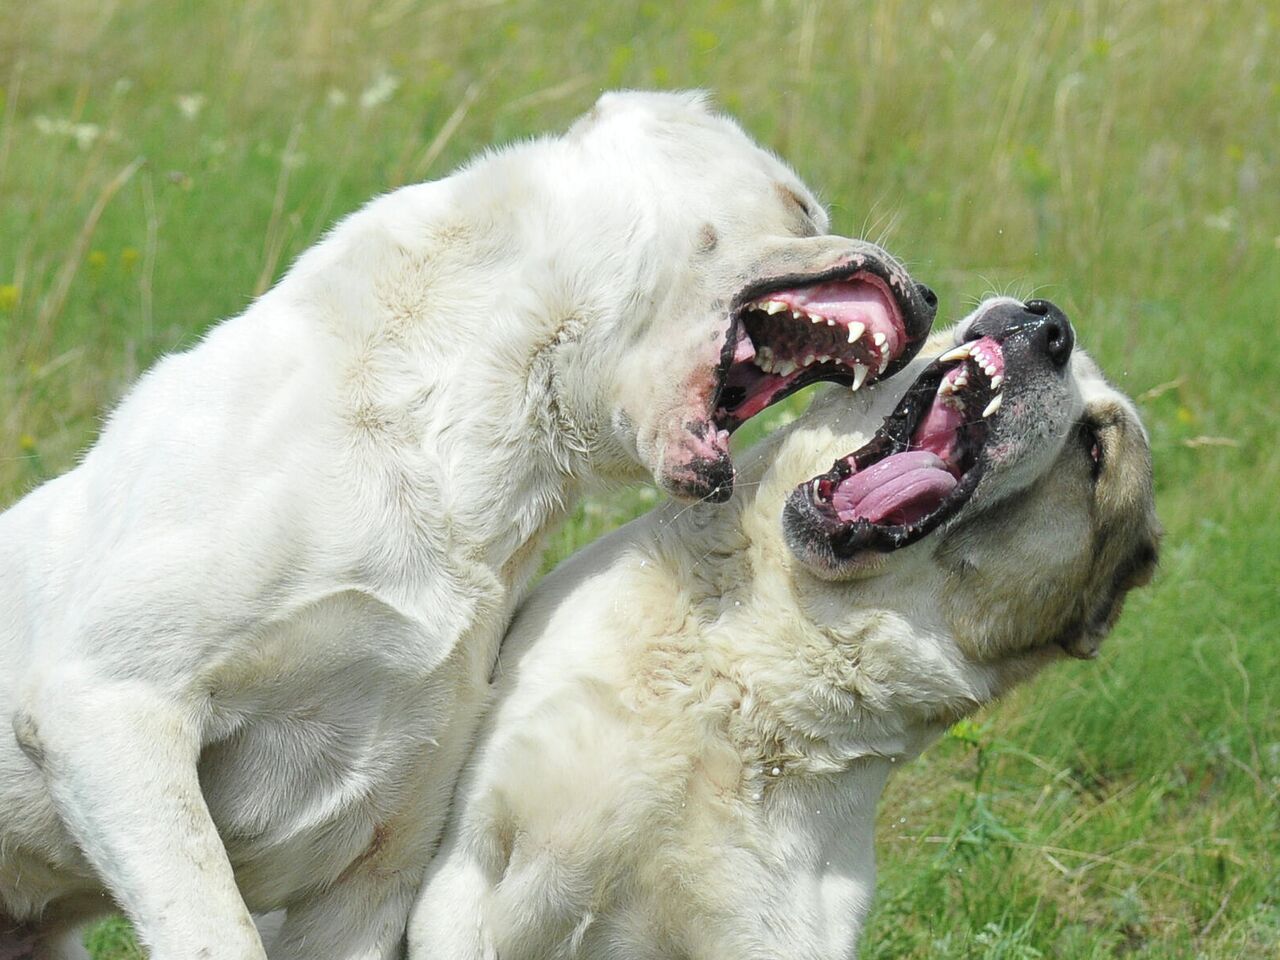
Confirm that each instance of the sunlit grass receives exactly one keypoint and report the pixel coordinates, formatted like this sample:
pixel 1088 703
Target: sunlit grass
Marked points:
pixel 161 163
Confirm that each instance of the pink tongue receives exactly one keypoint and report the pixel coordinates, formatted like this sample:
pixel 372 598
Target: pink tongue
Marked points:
pixel 848 301
pixel 901 488
pixel 937 431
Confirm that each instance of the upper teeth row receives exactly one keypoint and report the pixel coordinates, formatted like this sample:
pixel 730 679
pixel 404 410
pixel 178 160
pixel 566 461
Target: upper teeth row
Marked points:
pixel 978 354
pixel 855 332
pixel 777 306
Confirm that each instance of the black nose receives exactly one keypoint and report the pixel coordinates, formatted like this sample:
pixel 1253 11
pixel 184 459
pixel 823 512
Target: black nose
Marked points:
pixel 1045 326
pixel 928 296
pixel 1054 333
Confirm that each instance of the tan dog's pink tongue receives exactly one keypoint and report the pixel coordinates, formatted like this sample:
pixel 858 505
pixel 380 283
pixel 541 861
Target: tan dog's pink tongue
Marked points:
pixel 900 489
pixel 937 430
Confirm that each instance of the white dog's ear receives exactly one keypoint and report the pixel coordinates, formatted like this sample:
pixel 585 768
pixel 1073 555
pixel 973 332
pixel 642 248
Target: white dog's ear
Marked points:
pixel 665 105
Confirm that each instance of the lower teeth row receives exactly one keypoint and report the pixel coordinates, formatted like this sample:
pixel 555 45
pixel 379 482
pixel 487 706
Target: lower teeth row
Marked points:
pixel 765 361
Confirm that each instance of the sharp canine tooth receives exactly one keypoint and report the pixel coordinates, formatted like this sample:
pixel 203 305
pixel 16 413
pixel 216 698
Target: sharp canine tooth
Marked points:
pixel 996 381
pixel 856 330
pixel 884 361
pixel 859 375
pixel 958 353
pixel 993 406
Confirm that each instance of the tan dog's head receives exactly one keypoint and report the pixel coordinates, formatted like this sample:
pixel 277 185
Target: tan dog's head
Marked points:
pixel 977 522
pixel 725 296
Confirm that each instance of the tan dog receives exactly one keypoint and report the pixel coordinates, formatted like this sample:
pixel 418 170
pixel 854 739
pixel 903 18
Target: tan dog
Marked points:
pixel 697 715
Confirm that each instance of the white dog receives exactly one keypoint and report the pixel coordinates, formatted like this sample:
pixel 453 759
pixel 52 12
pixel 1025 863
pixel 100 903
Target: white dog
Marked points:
pixel 243 643
pixel 697 714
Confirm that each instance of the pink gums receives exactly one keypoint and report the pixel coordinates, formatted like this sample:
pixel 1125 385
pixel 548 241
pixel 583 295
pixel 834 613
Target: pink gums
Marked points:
pixel 865 299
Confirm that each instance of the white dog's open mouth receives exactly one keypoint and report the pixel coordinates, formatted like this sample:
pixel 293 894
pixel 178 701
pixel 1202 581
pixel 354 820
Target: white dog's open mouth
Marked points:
pixel 852 329
pixel 921 466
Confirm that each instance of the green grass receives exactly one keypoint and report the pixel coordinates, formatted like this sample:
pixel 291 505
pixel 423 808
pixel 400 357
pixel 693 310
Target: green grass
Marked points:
pixel 1120 158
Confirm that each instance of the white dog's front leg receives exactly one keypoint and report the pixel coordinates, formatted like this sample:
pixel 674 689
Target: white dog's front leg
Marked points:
pixel 448 919
pixel 120 762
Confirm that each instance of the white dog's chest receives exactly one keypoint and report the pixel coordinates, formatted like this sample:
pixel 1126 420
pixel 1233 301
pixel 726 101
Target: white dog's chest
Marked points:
pixel 323 731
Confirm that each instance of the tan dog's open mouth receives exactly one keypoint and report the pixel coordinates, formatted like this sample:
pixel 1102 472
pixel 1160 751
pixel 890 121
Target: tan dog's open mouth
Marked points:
pixel 927 459
pixel 923 463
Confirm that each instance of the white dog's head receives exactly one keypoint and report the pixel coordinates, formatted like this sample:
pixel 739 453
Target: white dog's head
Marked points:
pixel 998 516
pixel 725 294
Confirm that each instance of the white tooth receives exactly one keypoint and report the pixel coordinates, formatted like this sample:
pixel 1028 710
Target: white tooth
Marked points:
pixel 808 360
pixel 879 339
pixel 961 379
pixel 993 406
pixel 830 322
pixel 884 361
pixel 786 368
pixel 774 306
pixel 823 358
pixel 958 353
pixel 989 369
pixel 947 388
pixel 856 330
pixel 815 319
pixel 859 375
pixel 796 314
pixel 996 381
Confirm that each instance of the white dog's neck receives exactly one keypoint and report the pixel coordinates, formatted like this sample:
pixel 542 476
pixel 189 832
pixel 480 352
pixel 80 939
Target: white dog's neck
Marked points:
pixel 444 375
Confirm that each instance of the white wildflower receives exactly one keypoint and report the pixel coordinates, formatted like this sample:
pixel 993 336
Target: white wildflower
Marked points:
pixel 382 88
pixel 190 104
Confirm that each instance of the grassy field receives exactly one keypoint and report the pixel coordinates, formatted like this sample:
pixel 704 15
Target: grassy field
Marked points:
pixel 160 163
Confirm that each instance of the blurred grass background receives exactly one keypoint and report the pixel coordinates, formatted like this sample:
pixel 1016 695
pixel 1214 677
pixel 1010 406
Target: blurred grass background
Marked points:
pixel 160 163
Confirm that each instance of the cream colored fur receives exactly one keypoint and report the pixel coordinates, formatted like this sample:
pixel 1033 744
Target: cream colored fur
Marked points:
pixel 244 642
pixel 692 729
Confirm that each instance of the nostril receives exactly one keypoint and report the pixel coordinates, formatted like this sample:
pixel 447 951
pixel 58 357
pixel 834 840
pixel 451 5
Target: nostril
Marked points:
pixel 1039 307
pixel 926 293
pixel 1059 339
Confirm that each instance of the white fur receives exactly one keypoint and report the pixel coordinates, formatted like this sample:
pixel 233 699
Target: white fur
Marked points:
pixel 693 729
pixel 244 642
